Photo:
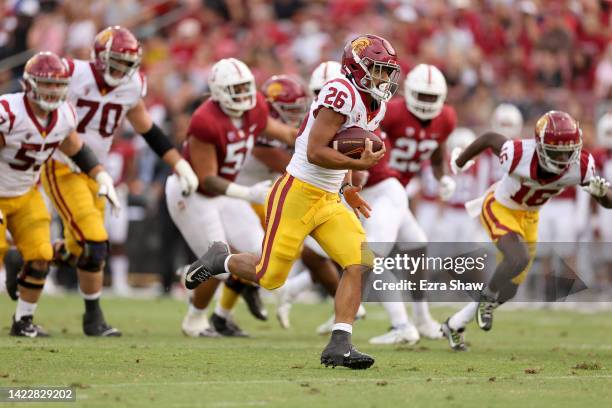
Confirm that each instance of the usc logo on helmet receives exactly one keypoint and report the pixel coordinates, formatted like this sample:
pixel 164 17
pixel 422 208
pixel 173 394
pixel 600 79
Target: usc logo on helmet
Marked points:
pixel 273 90
pixel 541 125
pixel 104 36
pixel 360 44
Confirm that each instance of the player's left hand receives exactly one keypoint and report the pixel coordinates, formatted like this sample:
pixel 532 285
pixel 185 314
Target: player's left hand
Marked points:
pixel 447 187
pixel 358 204
pixel 107 189
pixel 597 187
pixel 187 177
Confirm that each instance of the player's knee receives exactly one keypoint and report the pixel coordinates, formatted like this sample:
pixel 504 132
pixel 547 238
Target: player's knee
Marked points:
pixel 93 256
pixel 33 274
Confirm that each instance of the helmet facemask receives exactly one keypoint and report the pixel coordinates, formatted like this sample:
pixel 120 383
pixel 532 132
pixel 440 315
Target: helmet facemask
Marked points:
pixel 237 98
pixel 425 106
pixel 381 79
pixel 557 158
pixel 291 114
pixel 118 68
pixel 47 93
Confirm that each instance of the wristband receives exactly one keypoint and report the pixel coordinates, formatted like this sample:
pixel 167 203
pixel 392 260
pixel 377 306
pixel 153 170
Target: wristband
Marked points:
pixel 237 191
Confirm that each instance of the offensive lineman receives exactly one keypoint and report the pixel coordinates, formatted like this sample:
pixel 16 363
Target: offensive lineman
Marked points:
pixel 33 124
pixel 104 92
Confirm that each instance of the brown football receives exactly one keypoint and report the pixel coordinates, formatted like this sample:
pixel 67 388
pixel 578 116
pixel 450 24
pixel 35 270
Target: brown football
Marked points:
pixel 351 142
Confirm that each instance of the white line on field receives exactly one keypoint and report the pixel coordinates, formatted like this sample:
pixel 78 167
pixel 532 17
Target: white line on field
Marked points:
pixel 348 380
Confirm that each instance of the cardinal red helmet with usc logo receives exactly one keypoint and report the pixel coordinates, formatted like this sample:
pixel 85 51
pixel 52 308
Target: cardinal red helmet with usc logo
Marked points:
pixel 559 141
pixel 117 54
pixel 46 78
pixel 371 63
pixel 287 98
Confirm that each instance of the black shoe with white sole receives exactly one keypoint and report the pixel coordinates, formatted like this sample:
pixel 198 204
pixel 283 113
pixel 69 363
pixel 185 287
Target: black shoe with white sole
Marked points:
pixel 484 313
pixel 340 352
pixel 209 265
pixel 95 325
pixel 24 327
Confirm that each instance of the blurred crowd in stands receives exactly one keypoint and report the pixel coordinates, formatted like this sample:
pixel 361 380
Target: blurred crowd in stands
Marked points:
pixel 537 54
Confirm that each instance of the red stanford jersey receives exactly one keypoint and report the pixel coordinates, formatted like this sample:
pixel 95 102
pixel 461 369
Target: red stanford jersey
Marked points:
pixel 414 141
pixel 210 125
pixel 381 170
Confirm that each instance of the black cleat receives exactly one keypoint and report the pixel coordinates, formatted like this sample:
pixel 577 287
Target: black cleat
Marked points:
pixel 13 263
pixel 484 312
pixel 340 352
pixel 95 325
pixel 25 328
pixel 226 327
pixel 455 337
pixel 251 297
pixel 209 265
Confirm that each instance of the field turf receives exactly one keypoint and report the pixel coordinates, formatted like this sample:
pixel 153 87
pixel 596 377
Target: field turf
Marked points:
pixel 530 359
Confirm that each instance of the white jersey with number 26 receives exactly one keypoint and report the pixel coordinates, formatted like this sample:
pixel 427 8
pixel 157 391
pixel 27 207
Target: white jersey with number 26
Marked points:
pixel 343 97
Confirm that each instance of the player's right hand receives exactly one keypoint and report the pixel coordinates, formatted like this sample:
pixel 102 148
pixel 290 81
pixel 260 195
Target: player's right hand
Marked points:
pixel 258 192
pixel 107 189
pixel 368 157
pixel 453 162
pixel 597 187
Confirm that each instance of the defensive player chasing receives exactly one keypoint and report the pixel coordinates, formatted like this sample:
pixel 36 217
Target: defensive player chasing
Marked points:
pixel 305 200
pixel 33 124
pixel 535 171
pixel 104 92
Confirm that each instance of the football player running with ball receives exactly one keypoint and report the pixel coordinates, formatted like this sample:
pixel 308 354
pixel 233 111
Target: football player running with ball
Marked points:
pixel 305 200
pixel 33 125
pixel 104 92
pixel 535 170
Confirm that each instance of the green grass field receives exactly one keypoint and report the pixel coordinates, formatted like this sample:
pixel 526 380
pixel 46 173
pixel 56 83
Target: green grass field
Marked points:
pixel 531 358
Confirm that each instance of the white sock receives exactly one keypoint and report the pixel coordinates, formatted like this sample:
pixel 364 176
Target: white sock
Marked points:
pixel 463 317
pixel 226 262
pixel 90 296
pixel 397 314
pixel 223 312
pixel 194 311
pixel 420 311
pixel 24 309
pixel 296 285
pixel 119 265
pixel 344 327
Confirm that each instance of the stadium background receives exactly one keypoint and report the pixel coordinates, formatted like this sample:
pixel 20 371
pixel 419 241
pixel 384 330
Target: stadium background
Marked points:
pixel 538 55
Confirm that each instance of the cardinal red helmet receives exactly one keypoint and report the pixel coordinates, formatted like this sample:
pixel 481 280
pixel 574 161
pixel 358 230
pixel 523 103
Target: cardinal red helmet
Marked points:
pixel 46 78
pixel 287 98
pixel 371 63
pixel 117 54
pixel 559 141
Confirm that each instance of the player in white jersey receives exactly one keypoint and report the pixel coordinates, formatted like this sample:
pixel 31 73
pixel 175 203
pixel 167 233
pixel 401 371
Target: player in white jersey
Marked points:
pixel 33 125
pixel 535 170
pixel 305 200
pixel 104 92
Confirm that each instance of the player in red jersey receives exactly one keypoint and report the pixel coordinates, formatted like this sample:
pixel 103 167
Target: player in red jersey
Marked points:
pixel 221 135
pixel 417 127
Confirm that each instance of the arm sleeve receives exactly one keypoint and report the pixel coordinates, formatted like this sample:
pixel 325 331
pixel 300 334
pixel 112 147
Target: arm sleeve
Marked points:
pixel 587 167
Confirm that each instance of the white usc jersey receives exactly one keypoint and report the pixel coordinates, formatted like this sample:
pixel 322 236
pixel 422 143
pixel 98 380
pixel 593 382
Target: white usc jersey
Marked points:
pixel 100 108
pixel 28 142
pixel 343 97
pixel 522 189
